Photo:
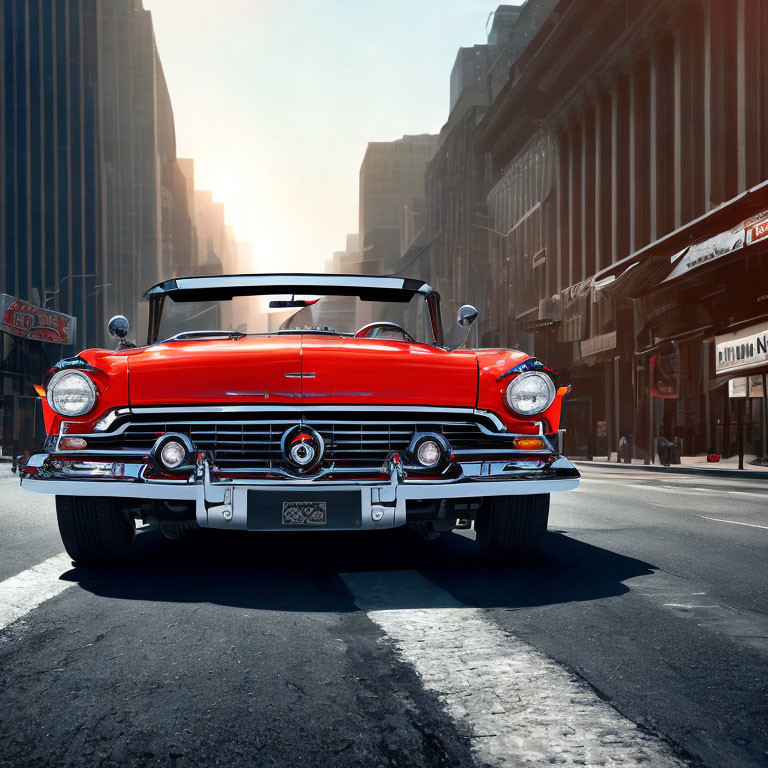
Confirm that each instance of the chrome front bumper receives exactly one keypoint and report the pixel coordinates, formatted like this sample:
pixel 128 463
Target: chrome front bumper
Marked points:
pixel 223 503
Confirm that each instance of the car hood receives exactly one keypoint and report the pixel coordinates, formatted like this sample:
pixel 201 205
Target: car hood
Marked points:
pixel 301 369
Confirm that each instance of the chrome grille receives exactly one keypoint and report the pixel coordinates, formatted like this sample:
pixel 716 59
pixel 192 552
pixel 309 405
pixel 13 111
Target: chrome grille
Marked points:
pixel 243 445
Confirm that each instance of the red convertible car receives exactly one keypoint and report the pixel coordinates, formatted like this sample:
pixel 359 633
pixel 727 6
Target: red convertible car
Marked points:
pixel 353 414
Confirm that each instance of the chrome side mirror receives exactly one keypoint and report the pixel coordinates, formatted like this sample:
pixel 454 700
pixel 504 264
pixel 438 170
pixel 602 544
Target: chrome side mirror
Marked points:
pixel 467 315
pixel 118 326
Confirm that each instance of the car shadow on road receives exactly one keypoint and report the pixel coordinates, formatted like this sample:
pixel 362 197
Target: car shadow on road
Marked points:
pixel 301 572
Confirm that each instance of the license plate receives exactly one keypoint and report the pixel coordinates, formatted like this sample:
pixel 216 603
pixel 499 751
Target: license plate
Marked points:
pixel 304 513
pixel 303 510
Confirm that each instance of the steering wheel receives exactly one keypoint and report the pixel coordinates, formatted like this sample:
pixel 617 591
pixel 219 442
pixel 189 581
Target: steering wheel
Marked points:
pixel 370 331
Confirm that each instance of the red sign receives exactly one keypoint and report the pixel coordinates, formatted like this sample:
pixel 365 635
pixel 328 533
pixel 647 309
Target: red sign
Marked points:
pixel 20 318
pixel 664 376
pixel 757 230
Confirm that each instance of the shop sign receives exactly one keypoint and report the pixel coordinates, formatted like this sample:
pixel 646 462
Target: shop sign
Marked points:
pixel 598 344
pixel 665 375
pixel 20 318
pixel 742 351
pixel 738 387
pixel 755 230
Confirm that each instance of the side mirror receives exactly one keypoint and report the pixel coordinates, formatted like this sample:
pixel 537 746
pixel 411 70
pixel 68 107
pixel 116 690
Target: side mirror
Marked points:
pixel 118 326
pixel 467 315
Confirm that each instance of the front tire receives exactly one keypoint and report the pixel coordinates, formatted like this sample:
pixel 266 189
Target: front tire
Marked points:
pixel 94 529
pixel 512 527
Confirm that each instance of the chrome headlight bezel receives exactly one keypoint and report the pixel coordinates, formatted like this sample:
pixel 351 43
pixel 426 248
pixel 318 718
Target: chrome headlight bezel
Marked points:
pixel 545 403
pixel 90 394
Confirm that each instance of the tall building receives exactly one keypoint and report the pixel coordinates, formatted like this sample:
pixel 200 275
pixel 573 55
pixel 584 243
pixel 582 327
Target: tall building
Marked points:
pixel 391 189
pixel 350 260
pixel 451 251
pixel 629 222
pixel 92 202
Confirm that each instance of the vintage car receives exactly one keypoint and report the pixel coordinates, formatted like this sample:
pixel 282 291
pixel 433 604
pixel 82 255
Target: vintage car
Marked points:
pixel 353 414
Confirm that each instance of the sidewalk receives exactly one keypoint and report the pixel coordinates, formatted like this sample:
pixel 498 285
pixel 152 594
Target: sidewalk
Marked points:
pixel 691 465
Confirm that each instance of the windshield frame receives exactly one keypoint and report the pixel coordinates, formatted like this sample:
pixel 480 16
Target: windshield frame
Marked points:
pixel 227 287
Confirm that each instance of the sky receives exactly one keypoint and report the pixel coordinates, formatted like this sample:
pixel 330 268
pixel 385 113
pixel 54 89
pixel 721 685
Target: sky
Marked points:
pixel 276 102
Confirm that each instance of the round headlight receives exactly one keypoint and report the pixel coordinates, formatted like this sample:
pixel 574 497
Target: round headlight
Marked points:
pixel 530 393
pixel 173 454
pixel 71 393
pixel 429 453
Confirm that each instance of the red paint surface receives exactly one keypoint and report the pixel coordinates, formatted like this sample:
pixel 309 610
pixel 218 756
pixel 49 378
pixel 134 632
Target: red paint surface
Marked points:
pixel 380 372
pixel 203 372
pixel 346 371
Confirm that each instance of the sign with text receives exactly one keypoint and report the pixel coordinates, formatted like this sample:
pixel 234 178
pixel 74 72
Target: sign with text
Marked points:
pixel 757 230
pixel 597 344
pixel 28 321
pixel 745 350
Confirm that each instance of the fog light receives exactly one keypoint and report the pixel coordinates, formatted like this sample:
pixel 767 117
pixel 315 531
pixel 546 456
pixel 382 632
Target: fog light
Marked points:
pixel 172 454
pixel 377 514
pixel 72 444
pixel 429 453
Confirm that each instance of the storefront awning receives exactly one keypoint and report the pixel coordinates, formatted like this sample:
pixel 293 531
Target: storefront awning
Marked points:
pixel 638 278
pixel 667 251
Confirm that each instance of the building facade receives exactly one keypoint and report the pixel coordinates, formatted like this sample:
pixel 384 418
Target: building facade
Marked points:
pixel 451 251
pixel 627 216
pixel 391 194
pixel 93 205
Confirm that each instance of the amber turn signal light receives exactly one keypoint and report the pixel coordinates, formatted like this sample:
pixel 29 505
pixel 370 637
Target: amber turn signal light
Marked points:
pixel 40 390
pixel 72 444
pixel 530 443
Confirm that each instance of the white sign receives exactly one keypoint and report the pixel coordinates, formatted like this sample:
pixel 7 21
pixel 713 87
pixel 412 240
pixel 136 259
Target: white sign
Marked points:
pixel 598 344
pixel 738 387
pixel 745 350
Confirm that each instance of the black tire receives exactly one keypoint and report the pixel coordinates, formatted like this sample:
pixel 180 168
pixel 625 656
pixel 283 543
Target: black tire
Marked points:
pixel 94 529
pixel 512 527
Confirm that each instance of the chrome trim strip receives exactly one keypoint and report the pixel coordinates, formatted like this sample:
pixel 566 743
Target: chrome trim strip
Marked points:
pixel 191 491
pixel 125 454
pixel 291 408
pixel 325 407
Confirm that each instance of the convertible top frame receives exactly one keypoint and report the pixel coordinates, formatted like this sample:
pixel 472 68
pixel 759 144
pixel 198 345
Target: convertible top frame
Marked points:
pixel 227 287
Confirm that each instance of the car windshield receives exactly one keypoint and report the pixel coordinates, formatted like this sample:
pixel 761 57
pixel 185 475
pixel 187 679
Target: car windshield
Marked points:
pixel 289 314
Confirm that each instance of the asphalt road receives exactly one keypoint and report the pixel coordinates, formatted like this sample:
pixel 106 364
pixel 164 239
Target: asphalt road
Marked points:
pixel 648 606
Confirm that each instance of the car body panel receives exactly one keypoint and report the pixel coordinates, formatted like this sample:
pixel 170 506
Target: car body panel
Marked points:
pixel 214 371
pixel 382 371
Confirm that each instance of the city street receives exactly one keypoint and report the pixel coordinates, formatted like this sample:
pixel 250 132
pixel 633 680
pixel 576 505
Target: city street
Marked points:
pixel 639 637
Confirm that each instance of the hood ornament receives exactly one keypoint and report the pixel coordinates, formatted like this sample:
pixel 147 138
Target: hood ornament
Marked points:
pixel 303 448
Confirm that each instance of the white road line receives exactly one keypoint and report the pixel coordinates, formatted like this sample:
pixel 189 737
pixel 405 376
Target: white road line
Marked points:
pixel 518 706
pixel 749 493
pixel 26 590
pixel 678 491
pixel 733 522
